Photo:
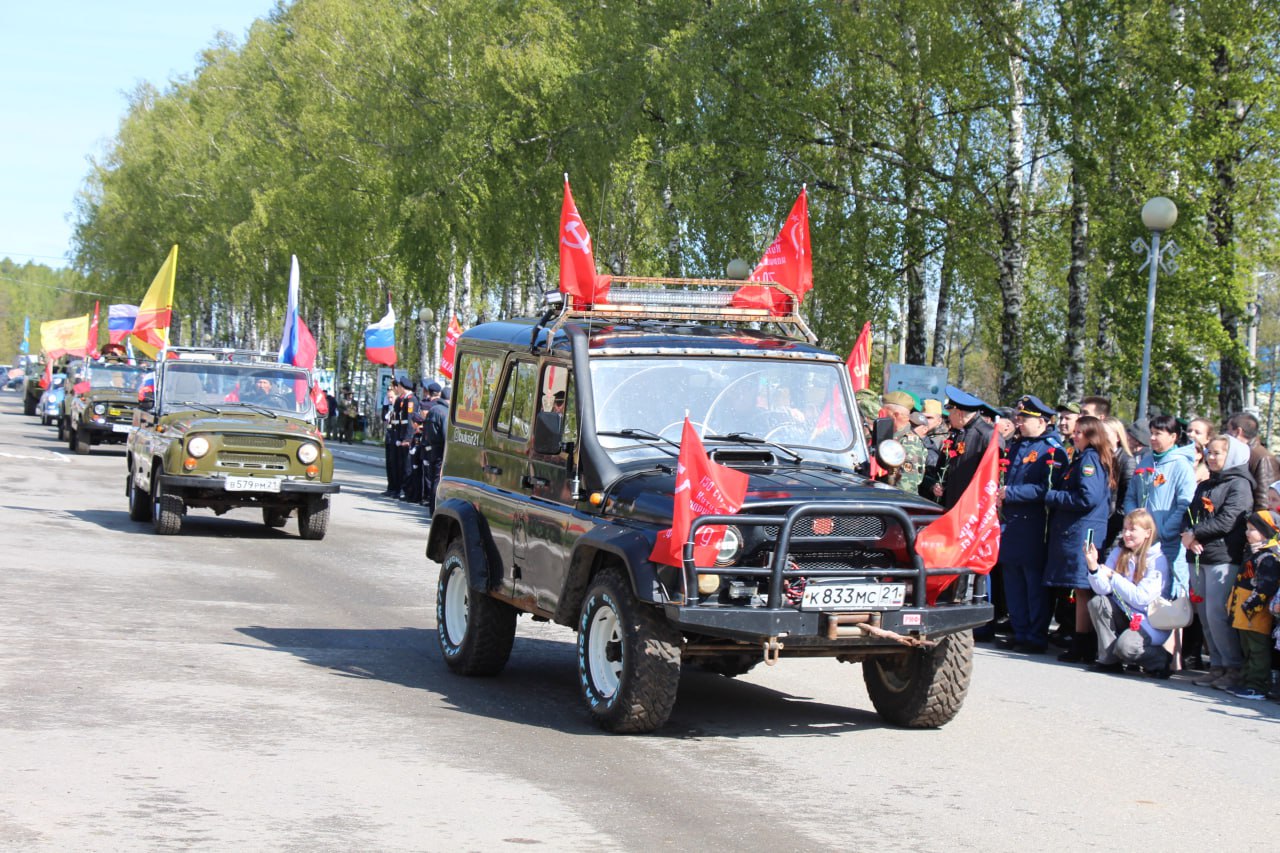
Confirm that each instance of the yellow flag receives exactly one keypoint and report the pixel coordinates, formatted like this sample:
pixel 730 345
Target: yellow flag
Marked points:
pixel 151 328
pixel 65 337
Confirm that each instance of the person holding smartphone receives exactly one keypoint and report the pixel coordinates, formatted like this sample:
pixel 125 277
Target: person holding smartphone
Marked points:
pixel 1123 588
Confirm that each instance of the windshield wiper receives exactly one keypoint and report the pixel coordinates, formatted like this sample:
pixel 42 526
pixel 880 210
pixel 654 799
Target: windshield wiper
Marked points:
pixel 639 433
pixel 203 407
pixel 262 410
pixel 748 438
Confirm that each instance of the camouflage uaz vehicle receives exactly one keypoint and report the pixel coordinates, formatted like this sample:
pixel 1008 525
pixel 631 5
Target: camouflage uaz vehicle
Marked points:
pixel 222 431
pixel 98 408
pixel 560 471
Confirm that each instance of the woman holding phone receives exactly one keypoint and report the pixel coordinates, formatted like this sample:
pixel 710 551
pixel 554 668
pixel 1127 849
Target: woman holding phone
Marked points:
pixel 1124 587
pixel 1079 509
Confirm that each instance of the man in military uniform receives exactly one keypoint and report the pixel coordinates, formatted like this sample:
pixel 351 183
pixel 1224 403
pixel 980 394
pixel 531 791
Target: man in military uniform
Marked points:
pixel 899 405
pixel 1023 539
pixel 402 416
pixel 435 430
pixel 968 441
pixel 416 472
pixel 933 433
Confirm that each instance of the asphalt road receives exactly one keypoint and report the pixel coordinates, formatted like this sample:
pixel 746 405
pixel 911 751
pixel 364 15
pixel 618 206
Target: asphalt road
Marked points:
pixel 235 687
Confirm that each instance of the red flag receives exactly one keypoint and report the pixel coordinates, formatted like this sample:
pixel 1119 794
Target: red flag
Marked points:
pixel 702 488
pixel 91 346
pixel 577 264
pixel 788 262
pixel 47 379
pixel 859 362
pixel 968 534
pixel 450 351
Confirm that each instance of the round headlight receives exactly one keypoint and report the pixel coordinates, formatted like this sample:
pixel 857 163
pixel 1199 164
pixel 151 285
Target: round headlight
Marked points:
pixel 198 446
pixel 99 408
pixel 730 547
pixel 891 453
pixel 308 453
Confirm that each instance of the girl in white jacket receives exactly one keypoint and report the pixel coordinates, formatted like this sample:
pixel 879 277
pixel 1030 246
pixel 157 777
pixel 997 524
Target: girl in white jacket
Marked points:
pixel 1124 586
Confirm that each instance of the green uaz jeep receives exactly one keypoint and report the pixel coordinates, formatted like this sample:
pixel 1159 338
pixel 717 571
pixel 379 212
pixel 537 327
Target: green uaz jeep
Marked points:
pixel 99 404
pixel 220 432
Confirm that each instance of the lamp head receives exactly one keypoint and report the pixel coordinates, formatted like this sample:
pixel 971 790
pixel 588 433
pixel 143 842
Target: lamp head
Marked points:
pixel 1159 214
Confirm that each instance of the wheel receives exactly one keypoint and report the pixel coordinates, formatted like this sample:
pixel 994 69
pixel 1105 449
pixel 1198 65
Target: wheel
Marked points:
pixel 730 666
pixel 166 509
pixel 62 429
pixel 313 519
pixel 80 441
pixel 28 405
pixel 475 631
pixel 44 419
pixel 628 657
pixel 923 688
pixel 139 500
pixel 273 517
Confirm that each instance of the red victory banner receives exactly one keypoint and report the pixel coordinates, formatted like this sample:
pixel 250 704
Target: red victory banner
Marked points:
pixel 788 261
pixel 859 362
pixel 577 263
pixel 703 487
pixel 968 534
pixel 450 351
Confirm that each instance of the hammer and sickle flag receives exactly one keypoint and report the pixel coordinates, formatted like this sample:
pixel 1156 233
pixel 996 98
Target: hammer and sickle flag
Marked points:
pixel 859 361
pixel 151 326
pixel 702 487
pixel 788 261
pixel 578 276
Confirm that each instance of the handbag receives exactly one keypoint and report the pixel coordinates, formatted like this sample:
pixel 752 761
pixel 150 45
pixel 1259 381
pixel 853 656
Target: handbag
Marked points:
pixel 1169 615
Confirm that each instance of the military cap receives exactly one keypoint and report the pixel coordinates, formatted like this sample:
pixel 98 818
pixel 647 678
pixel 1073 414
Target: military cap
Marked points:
pixel 403 381
pixel 1033 407
pixel 1139 431
pixel 868 403
pixel 918 419
pixel 901 398
pixel 434 388
pixel 1068 406
pixel 419 417
pixel 989 410
pixel 957 399
pixel 445 392
pixel 931 407
pixel 1006 412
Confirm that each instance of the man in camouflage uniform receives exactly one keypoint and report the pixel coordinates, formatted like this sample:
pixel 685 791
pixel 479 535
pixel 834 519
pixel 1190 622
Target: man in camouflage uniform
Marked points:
pixel 899 405
pixel 933 433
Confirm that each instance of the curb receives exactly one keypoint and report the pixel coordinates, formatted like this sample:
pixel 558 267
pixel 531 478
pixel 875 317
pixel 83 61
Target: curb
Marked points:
pixel 351 454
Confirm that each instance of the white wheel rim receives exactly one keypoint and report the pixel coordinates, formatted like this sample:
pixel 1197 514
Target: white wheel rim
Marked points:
pixel 604 651
pixel 456 601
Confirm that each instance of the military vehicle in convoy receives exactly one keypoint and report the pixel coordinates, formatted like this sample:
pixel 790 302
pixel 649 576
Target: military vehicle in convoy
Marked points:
pixel 222 429
pixel 98 408
pixel 561 469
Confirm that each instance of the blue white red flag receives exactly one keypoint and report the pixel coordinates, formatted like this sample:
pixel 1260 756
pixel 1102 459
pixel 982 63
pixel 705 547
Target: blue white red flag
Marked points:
pixel 297 345
pixel 147 385
pixel 120 322
pixel 380 339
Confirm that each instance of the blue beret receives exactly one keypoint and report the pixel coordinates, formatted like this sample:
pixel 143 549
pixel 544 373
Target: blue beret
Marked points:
pixel 1033 406
pixel 434 388
pixel 957 399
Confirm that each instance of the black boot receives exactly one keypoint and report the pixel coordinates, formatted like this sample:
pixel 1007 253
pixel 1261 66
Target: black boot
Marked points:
pixel 1084 649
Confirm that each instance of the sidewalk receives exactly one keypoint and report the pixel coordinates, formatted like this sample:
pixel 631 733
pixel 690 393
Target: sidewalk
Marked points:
pixel 364 453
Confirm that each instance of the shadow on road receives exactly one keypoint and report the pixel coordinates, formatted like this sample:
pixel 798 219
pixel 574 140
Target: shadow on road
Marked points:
pixel 539 685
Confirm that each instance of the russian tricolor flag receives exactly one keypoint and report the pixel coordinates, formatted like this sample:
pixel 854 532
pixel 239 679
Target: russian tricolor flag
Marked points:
pixel 297 345
pixel 147 385
pixel 120 321
pixel 380 339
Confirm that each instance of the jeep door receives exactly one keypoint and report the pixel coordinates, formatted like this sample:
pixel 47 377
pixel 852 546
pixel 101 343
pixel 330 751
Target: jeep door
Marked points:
pixel 503 467
pixel 549 491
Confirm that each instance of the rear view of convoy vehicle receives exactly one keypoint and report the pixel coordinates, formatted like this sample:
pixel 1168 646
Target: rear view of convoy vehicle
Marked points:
pixel 560 471
pixel 225 429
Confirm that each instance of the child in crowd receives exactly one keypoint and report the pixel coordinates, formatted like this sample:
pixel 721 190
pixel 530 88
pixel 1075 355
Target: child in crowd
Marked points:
pixel 1256 584
pixel 1123 588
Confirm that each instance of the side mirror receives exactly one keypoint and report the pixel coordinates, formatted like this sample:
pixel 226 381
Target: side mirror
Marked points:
pixel 548 432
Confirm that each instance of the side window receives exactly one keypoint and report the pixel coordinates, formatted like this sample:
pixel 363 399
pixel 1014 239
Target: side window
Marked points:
pixel 556 395
pixel 515 415
pixel 477 378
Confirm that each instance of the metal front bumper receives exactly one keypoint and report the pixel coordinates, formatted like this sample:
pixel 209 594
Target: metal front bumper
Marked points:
pixel 184 482
pixel 759 623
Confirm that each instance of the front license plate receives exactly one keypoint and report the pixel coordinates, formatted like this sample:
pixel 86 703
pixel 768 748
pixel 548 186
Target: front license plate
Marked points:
pixel 847 595
pixel 253 484
pixel 122 428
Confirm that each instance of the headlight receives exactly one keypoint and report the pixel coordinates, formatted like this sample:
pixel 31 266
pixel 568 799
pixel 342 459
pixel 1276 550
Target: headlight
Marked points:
pixel 308 453
pixel 730 547
pixel 198 446
pixel 891 453
pixel 99 408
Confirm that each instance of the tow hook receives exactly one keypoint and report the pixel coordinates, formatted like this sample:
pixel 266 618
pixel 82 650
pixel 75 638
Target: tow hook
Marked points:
pixel 772 647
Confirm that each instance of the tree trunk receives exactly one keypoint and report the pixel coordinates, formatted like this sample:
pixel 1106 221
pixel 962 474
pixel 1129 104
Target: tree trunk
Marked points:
pixel 1222 231
pixel 1077 285
pixel 946 278
pixel 913 232
pixel 1012 269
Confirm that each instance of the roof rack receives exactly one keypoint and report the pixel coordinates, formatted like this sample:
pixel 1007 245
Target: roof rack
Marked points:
pixel 226 354
pixel 696 300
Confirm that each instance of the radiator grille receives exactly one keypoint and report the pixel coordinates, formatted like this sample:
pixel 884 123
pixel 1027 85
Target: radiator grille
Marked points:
pixel 253 461
pixel 846 526
pixel 263 442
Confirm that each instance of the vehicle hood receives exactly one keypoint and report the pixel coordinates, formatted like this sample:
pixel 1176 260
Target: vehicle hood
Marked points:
pixel 185 422
pixel 112 395
pixel 647 495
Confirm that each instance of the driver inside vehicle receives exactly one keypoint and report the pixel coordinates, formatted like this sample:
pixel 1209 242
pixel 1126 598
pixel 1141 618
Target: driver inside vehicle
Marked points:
pixel 261 392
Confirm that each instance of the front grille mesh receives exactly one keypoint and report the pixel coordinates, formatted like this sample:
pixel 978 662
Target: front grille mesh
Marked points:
pixel 844 526
pixel 253 461
pixel 262 442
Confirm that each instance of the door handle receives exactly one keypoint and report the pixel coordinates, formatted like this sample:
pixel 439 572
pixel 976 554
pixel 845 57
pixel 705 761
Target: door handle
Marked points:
pixel 531 482
pixel 491 469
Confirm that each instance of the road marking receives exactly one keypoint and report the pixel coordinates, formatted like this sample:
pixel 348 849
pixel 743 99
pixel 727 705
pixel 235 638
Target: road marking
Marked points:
pixel 56 455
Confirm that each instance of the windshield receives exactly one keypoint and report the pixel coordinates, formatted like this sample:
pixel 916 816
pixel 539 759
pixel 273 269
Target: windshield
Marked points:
pixel 120 376
pixel 802 405
pixel 229 386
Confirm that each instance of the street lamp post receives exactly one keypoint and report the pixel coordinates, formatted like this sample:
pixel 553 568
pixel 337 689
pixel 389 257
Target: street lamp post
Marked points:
pixel 425 318
pixel 1159 215
pixel 343 324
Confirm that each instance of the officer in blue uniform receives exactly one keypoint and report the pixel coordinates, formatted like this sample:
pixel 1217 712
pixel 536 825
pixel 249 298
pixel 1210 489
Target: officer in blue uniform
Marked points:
pixel 1032 457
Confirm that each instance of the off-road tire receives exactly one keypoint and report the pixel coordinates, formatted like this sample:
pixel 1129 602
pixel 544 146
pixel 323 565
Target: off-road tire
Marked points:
pixel 80 441
pixel 166 509
pixel 62 429
pixel 313 520
pixel 139 500
pixel 730 666
pixel 481 644
pixel 628 657
pixel 29 404
pixel 273 517
pixel 924 688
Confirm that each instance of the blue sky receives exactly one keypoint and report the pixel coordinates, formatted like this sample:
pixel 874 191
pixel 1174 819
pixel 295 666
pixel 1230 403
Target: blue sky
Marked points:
pixel 65 70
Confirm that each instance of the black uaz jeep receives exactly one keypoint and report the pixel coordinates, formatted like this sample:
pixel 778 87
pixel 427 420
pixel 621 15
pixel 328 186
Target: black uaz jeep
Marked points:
pixel 559 473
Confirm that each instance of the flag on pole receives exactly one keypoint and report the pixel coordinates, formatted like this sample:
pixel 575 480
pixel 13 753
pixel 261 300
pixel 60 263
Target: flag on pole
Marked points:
pixel 297 344
pixel 968 534
pixel 788 262
pixel 64 337
pixel 25 346
pixel 450 351
pixel 380 338
pixel 91 345
pixel 859 362
pixel 702 487
pixel 120 322
pixel 151 325
pixel 577 263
